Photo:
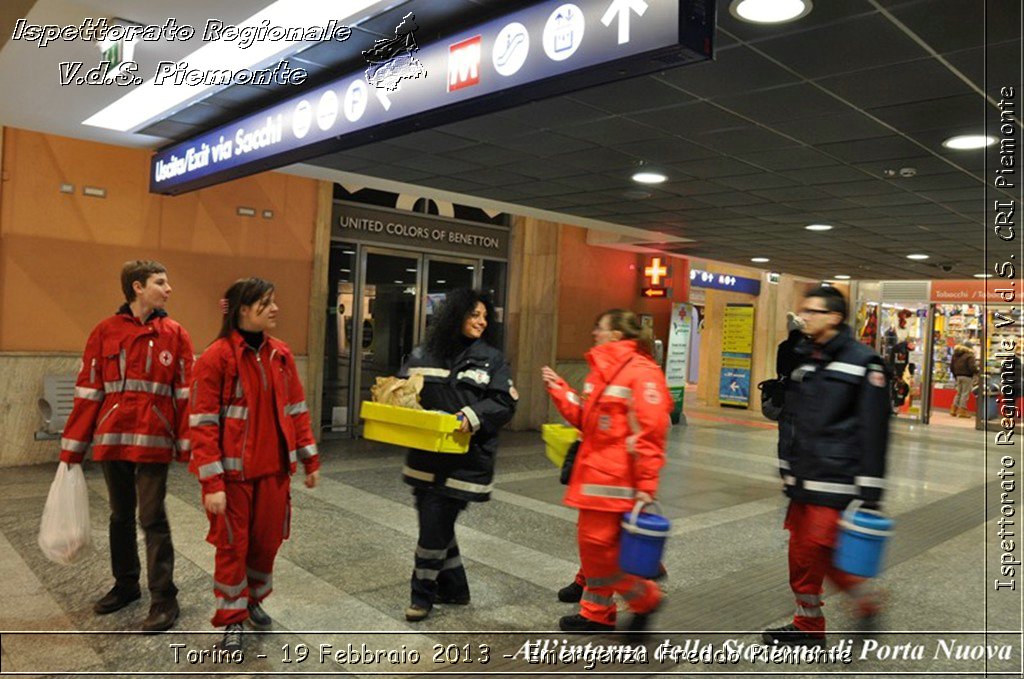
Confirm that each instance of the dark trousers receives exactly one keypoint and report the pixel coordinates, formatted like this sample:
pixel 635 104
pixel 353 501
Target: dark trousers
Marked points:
pixel 142 485
pixel 438 571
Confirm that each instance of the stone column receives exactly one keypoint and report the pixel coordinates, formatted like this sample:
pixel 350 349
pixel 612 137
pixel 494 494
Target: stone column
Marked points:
pixel 318 303
pixel 533 314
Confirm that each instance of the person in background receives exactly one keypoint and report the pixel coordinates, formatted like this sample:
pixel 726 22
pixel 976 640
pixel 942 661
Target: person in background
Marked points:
pixel 250 427
pixel 131 404
pixel 964 368
pixel 836 454
pixel 624 417
pixel 465 374
pixel 786 357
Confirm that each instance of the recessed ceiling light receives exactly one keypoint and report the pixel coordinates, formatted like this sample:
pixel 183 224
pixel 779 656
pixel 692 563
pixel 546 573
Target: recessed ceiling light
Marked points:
pixel 917 256
pixel 348 252
pixel 760 260
pixel 769 11
pixel 411 270
pixel 965 142
pixel 441 281
pixel 470 267
pixel 649 177
pixel 983 275
pixel 399 283
pixel 819 227
pixel 346 271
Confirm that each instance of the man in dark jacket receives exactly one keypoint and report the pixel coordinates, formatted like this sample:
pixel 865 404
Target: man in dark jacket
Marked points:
pixel 835 454
pixel 964 368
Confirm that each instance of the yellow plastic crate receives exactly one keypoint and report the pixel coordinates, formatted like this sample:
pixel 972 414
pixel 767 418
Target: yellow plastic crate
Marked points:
pixel 557 439
pixel 420 429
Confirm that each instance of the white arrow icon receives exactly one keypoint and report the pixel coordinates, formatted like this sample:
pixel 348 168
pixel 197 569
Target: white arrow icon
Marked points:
pixel 383 97
pixel 622 8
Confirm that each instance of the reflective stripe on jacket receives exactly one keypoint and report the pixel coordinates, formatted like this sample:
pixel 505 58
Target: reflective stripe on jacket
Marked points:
pixel 224 437
pixel 624 417
pixel 835 448
pixel 477 383
pixel 131 395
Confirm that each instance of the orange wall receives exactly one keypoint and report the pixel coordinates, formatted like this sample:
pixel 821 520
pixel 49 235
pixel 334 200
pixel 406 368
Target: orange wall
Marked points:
pixel 61 254
pixel 593 279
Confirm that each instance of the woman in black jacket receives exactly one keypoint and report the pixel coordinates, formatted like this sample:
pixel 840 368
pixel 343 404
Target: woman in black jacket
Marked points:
pixel 465 375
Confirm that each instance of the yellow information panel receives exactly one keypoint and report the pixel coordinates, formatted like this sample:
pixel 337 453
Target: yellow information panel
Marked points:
pixel 737 349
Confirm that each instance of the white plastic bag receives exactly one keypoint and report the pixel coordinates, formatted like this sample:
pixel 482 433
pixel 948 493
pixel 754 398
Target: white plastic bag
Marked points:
pixel 64 532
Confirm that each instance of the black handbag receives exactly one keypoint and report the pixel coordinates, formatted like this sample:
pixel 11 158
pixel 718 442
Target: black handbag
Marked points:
pixel 773 398
pixel 570 458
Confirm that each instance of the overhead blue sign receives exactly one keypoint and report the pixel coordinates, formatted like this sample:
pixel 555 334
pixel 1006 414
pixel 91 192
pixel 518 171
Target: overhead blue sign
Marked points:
pixel 721 281
pixel 546 49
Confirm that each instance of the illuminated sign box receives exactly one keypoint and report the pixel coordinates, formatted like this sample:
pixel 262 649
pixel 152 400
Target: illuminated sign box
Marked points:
pixel 721 281
pixel 526 55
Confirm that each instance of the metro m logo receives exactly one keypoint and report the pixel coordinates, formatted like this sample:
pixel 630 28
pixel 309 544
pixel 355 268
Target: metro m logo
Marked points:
pixel 464 63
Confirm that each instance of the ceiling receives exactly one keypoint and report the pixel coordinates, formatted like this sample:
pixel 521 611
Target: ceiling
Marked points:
pixel 789 125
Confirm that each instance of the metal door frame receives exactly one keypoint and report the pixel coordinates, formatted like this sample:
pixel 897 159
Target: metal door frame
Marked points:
pixel 929 366
pixel 422 260
pixel 358 297
pixel 426 258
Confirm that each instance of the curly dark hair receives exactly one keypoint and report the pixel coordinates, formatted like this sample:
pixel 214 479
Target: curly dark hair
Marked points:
pixel 444 338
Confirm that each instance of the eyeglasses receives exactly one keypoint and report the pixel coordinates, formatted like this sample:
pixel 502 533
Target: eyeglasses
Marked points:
pixel 815 311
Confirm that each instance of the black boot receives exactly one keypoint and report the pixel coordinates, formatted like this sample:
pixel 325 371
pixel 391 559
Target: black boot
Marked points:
pixel 115 600
pixel 162 616
pixel 258 618
pixel 641 621
pixel 571 593
pixel 232 638
pixel 577 623
pixel 791 634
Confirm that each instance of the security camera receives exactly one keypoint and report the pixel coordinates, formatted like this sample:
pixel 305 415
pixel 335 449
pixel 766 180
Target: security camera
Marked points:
pixel 946 267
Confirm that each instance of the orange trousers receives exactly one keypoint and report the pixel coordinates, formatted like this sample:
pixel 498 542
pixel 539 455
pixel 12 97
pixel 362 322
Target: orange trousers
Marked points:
pixel 812 537
pixel 247 538
pixel 598 536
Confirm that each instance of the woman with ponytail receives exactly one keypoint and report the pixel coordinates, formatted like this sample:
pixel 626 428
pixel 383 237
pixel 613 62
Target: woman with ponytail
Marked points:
pixel 250 427
pixel 623 415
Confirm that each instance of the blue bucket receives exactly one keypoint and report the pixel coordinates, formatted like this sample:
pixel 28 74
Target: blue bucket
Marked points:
pixel 642 541
pixel 863 535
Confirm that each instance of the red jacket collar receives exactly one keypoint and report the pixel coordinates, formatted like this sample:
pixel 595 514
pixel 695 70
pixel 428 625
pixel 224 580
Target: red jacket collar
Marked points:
pixel 607 358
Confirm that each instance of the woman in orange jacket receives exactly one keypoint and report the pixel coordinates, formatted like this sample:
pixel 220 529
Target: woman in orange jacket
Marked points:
pixel 250 427
pixel 623 415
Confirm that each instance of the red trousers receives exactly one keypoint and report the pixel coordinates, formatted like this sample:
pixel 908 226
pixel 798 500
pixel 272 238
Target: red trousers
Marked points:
pixel 247 537
pixel 598 536
pixel 812 537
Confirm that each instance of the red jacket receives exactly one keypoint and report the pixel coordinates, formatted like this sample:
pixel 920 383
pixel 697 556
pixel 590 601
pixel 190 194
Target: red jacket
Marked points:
pixel 131 396
pixel 624 416
pixel 227 442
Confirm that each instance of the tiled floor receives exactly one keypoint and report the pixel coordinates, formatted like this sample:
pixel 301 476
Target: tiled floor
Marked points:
pixel 343 577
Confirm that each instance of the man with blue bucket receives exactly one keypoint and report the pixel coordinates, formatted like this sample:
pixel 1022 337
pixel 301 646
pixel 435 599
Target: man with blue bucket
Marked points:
pixel 831 454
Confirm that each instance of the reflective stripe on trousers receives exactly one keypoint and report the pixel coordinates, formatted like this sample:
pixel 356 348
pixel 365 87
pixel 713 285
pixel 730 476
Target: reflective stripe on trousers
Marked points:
pixel 598 537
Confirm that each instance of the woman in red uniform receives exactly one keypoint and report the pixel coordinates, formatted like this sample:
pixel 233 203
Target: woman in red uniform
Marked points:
pixel 624 416
pixel 250 426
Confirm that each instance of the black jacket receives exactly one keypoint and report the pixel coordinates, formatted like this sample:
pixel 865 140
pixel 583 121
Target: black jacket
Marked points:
pixel 478 383
pixel 834 451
